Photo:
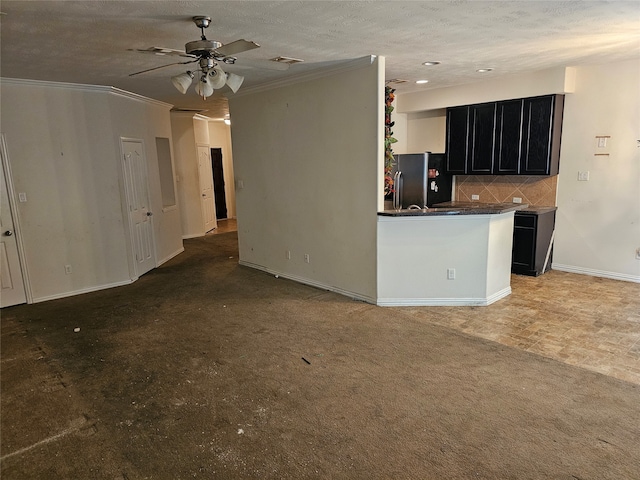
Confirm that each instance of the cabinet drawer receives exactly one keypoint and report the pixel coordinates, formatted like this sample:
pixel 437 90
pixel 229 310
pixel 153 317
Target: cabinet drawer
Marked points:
pixel 521 220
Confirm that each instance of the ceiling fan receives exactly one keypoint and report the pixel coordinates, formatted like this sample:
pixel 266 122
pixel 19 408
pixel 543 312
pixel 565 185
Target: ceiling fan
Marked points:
pixel 209 54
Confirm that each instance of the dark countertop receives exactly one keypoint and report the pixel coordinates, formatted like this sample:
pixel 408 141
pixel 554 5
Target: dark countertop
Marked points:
pixel 456 208
pixel 520 207
pixel 538 210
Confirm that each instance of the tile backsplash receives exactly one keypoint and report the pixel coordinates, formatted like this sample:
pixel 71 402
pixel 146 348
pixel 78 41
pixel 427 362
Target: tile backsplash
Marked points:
pixel 536 191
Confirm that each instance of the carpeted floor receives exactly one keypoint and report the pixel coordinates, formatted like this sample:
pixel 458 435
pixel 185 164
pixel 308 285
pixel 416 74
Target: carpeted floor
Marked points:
pixel 206 369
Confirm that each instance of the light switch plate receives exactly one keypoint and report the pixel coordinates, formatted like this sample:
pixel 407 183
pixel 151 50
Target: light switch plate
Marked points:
pixel 583 176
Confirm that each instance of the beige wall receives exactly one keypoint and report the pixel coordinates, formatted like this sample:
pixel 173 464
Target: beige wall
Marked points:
pixel 187 133
pixel 426 131
pixel 598 221
pixel 63 145
pixel 543 82
pixel 310 156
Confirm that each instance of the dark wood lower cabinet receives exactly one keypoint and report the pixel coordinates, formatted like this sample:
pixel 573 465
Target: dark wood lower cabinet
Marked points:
pixel 532 236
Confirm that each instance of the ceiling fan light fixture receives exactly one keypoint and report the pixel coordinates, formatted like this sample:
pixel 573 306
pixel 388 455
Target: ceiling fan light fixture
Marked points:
pixel 203 87
pixel 234 81
pixel 217 77
pixel 183 81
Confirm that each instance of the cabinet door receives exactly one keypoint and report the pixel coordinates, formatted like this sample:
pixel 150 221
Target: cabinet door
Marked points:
pixel 537 135
pixel 508 137
pixel 482 128
pixel 457 139
pixel 524 243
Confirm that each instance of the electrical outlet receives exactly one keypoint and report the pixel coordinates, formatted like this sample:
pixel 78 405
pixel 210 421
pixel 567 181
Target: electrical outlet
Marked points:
pixel 638 253
pixel 306 258
pixel 288 254
pixel 451 273
pixel 475 197
pixel 22 197
pixel 583 176
pixel 517 200
pixel 68 270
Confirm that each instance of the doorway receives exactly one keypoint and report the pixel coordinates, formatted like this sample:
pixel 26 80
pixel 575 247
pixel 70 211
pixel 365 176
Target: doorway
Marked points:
pixel 218 183
pixel 206 188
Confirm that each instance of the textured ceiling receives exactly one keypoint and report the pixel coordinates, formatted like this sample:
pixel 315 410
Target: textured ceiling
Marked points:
pixel 87 41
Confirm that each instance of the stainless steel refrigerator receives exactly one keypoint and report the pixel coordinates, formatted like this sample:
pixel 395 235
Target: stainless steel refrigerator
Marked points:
pixel 420 180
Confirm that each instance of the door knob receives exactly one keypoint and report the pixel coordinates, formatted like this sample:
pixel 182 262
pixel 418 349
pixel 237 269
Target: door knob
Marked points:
pixel 149 214
pixel 8 233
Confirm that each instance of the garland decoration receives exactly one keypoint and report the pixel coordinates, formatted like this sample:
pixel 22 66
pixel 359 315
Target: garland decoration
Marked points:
pixel 389 161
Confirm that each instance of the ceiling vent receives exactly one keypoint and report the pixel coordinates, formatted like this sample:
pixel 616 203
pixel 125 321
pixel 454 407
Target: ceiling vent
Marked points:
pixel 396 81
pixel 286 60
pixel 190 110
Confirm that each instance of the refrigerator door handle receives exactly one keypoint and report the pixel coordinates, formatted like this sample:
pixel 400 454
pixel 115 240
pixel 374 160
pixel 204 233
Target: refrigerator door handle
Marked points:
pixel 397 182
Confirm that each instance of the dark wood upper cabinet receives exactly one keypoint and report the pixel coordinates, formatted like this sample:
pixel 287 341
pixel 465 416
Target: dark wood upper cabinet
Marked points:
pixel 542 128
pixel 508 137
pixel 457 139
pixel 482 129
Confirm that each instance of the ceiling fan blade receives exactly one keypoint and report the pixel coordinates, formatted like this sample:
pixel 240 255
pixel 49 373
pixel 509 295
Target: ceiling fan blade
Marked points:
pixel 238 46
pixel 162 66
pixel 161 51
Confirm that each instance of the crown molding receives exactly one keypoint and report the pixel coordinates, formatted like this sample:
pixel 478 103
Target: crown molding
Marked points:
pixel 330 70
pixel 84 88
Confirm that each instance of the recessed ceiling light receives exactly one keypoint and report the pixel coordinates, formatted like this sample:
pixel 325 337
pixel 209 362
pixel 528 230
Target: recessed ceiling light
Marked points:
pixel 484 70
pixel 422 81
pixel 430 63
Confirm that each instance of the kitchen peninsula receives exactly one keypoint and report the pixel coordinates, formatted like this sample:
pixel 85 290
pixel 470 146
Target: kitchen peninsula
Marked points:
pixel 449 255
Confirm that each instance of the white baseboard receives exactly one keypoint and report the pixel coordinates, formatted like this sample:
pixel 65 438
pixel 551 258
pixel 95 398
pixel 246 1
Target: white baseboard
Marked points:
pixel 174 254
pixel 83 290
pixel 596 273
pixel 195 235
pixel 443 302
pixel 312 283
pixel 388 302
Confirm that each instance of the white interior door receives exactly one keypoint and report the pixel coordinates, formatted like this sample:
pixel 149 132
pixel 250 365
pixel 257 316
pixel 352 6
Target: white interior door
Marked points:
pixel 12 290
pixel 206 188
pixel 140 215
